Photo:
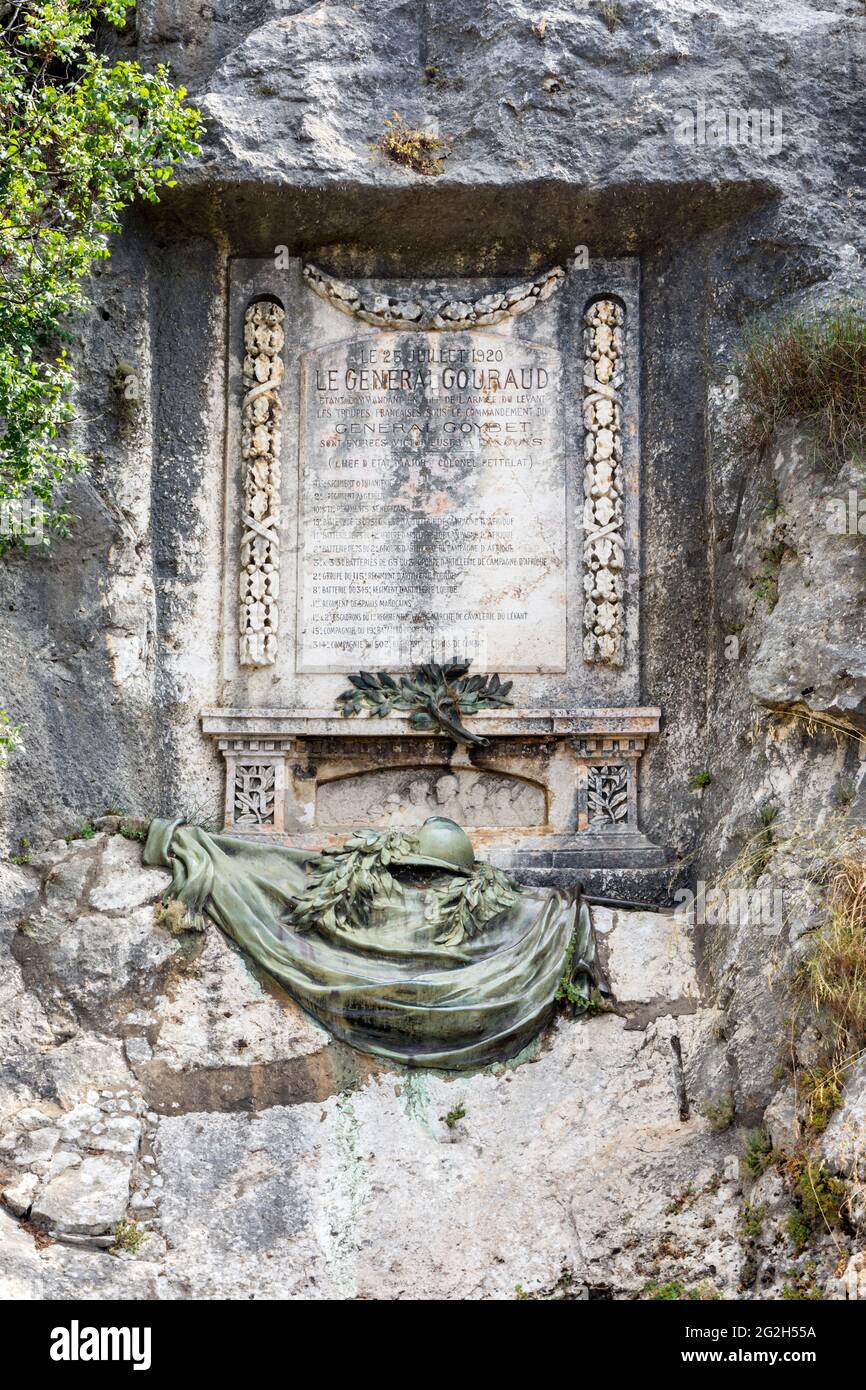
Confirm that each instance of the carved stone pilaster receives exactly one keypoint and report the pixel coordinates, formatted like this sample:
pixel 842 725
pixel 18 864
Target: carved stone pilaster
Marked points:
pixel 603 484
pixel 607 783
pixel 255 783
pixel 258 617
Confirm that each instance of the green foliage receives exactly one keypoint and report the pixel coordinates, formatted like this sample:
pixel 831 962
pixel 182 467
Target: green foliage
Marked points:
pixel 127 1236
pixel 821 1201
pixel 821 1196
pixel 80 138
pixel 720 1113
pixel 85 831
pixel 764 842
pixel 757 1151
pixel 803 1289
pixel 455 1115
pixel 437 696
pixel 676 1291
pixel 414 149
pixel 819 1089
pixel 23 856
pixel 131 833
pixel 579 992
pixel 699 781
pixel 798 1230
pixel 751 1222
pixel 767 588
pixel 11 740
pixel 805 369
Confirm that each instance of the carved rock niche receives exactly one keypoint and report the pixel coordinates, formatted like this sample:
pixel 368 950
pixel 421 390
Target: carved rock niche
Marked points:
pixel 417 471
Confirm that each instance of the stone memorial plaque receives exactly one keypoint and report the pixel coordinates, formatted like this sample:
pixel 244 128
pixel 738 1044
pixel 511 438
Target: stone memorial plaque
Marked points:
pixel 432 506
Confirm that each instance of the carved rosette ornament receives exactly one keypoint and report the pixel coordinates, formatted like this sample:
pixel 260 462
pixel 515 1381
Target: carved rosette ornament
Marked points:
pixel 603 485
pixel 261 412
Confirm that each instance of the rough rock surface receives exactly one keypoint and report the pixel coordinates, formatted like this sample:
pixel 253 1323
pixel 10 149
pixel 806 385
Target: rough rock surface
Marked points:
pixel 752 616
pixel 257 1158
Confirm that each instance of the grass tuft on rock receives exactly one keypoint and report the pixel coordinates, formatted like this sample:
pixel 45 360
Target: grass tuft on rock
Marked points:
pixel 412 148
pixel 835 972
pixel 757 1151
pixel 809 370
pixel 127 1237
pixel 173 917
pixel 720 1113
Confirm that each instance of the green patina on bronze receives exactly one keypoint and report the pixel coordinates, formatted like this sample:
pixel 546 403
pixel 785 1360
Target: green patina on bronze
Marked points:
pixel 439 697
pixel 401 944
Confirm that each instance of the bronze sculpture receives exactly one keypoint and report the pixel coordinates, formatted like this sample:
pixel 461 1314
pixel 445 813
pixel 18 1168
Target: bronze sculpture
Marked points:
pixel 402 944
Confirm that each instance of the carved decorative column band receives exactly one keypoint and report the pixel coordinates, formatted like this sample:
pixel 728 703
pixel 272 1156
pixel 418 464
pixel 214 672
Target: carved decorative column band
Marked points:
pixel 258 617
pixel 603 485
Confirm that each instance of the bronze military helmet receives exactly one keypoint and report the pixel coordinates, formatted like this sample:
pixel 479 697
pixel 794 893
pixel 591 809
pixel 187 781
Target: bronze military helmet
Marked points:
pixel 441 844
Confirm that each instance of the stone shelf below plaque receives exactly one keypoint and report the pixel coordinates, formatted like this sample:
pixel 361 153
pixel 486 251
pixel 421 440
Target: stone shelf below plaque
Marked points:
pixel 555 790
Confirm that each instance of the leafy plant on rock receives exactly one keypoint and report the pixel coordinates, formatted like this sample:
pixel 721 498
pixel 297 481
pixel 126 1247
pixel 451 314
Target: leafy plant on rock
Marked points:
pixel 80 138
pixel 11 740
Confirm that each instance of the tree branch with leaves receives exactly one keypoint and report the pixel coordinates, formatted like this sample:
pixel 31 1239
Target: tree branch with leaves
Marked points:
pixel 81 138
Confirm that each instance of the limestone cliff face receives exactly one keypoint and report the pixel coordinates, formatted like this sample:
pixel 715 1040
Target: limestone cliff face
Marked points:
pixel 149 1077
pixel 564 134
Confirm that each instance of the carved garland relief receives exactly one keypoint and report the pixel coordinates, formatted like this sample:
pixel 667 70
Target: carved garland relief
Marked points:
pixel 386 311
pixel 261 413
pixel 603 484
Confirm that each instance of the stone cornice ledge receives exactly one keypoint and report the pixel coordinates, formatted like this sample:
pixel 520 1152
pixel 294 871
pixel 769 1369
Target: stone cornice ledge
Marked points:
pixel 625 722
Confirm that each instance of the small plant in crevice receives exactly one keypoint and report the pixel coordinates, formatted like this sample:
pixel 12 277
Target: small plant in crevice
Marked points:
pixel 720 1113
pixel 130 832
pixel 767 588
pixel 764 842
pixel 751 1222
pixel 699 781
pixel 433 77
pixel 127 1237
pixel 675 1290
pixel 173 917
pixel 11 738
pixel 85 831
pixel 412 148
pixel 611 13
pixel 805 369
pixel 801 1287
pixel 821 1200
pixel 455 1115
pixel 23 856
pixel 819 1091
pixel 578 993
pixel 757 1151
